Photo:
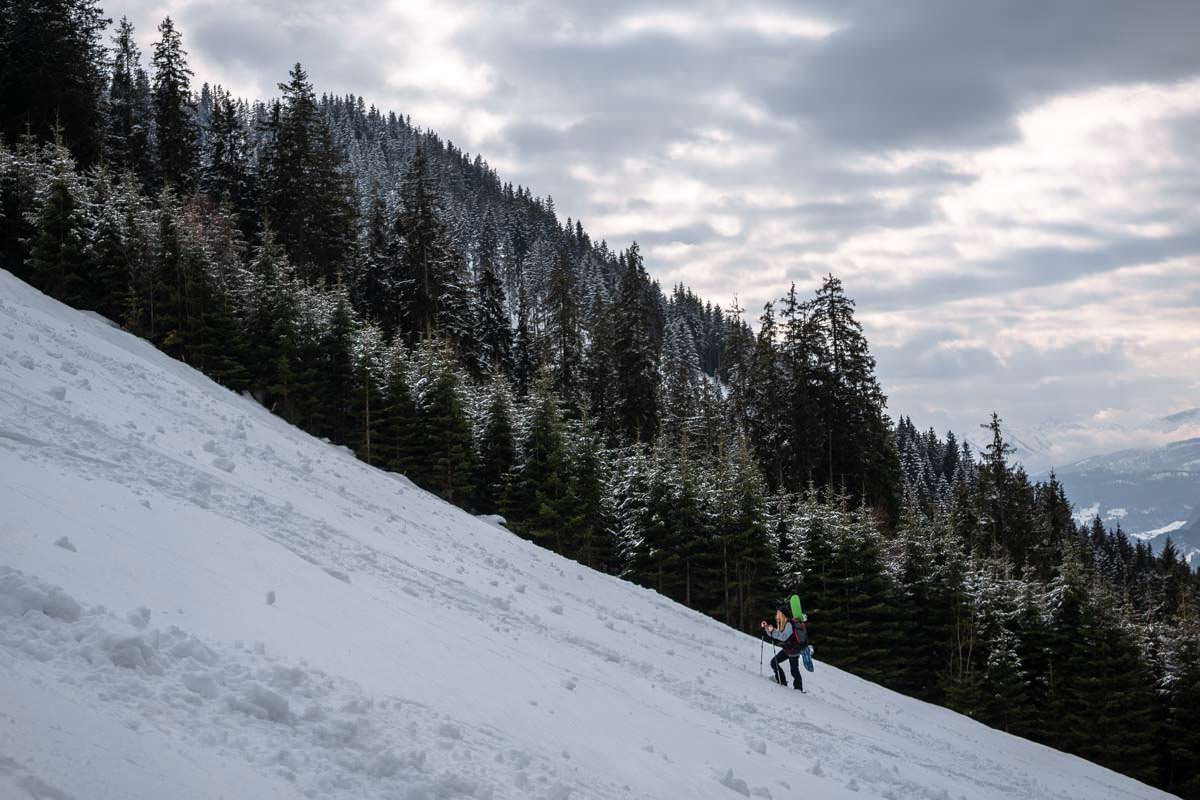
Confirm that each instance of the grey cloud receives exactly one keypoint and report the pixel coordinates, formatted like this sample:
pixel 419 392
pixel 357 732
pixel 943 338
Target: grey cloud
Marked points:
pixel 945 76
pixel 944 72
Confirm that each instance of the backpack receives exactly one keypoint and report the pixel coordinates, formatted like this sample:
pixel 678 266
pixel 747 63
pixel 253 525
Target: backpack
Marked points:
pixel 799 638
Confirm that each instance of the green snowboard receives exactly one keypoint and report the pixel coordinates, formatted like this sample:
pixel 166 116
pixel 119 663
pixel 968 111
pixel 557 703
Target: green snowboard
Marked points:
pixel 797 609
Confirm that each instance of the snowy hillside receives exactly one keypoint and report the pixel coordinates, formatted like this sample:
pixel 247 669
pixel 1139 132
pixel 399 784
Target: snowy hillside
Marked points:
pixel 199 601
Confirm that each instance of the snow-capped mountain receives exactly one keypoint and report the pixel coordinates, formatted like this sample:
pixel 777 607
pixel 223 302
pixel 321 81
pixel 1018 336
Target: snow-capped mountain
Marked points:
pixel 1053 443
pixel 198 600
pixel 1152 492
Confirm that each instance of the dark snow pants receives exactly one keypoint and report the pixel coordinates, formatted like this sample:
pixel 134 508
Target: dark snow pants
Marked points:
pixel 777 668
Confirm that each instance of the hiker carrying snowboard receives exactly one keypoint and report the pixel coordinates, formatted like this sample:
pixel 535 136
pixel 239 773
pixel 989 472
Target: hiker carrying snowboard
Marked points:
pixel 793 634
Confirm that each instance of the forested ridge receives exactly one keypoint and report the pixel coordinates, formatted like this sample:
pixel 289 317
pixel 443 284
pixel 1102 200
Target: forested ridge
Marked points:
pixel 380 288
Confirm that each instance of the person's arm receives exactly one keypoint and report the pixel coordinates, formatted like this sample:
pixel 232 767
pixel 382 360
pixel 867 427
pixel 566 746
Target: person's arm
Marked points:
pixel 782 634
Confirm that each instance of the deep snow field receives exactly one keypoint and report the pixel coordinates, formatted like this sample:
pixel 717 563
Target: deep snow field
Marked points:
pixel 200 601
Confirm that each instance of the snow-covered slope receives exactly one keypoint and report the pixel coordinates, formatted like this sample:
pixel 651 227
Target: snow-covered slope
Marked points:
pixel 199 601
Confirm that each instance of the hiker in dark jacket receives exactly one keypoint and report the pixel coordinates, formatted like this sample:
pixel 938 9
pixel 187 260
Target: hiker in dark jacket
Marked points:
pixel 793 634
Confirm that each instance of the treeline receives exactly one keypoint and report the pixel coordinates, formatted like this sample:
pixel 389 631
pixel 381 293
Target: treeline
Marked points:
pixel 386 291
pixel 989 598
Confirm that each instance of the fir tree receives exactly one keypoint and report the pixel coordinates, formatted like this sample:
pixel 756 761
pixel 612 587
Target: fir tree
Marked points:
pixel 562 330
pixel 399 436
pixel 637 327
pixel 174 113
pixel 449 457
pixel 52 73
pixel 306 193
pixel 424 263
pixel 497 455
pixel 130 112
pixel 226 176
pixel 543 492
pixel 494 332
pixel 59 260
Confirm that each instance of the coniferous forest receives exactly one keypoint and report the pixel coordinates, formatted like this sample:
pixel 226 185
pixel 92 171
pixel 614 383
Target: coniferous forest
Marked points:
pixel 380 288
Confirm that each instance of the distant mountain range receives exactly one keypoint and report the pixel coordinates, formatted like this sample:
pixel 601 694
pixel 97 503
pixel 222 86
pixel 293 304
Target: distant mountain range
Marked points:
pixel 1152 489
pixel 1152 492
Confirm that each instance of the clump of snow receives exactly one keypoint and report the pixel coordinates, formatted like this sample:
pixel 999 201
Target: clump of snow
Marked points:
pixel 270 598
pixel 57 392
pixel 202 683
pixel 337 573
pixel 131 652
pixel 736 784
pixel 259 701
pixel 65 544
pixel 20 595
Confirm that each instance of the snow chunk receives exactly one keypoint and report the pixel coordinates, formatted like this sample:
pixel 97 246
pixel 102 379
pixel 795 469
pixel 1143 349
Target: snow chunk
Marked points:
pixel 57 392
pixel 259 701
pixel 736 784
pixel 65 544
pixel 337 573
pixel 139 617
pixel 223 463
pixel 131 652
pixel 193 648
pixel 202 684
pixel 19 595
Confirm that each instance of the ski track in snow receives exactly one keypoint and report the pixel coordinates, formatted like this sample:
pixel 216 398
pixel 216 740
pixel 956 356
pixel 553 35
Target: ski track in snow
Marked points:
pixel 247 612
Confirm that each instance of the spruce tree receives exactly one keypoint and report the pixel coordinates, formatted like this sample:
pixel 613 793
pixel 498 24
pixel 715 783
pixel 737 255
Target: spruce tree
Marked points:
pixel 399 441
pixel 542 493
pixel 307 194
pixel 766 397
pixel 523 346
pixel 59 261
pixel 174 112
pixel 448 463
pixel 130 111
pixel 590 519
pixel 423 262
pixel 494 333
pixel 637 326
pixel 802 422
pixel 52 74
pixel 562 336
pixel 1181 732
pixel 497 454
pixel 859 451
pixel 226 176
pixel 338 415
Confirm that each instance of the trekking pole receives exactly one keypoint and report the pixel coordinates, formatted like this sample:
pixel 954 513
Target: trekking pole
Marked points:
pixel 761 642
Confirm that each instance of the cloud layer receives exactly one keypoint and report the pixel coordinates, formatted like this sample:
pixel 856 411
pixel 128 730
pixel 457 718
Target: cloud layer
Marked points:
pixel 1010 190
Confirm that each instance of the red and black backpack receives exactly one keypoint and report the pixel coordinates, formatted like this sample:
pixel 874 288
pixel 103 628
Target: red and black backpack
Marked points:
pixel 799 638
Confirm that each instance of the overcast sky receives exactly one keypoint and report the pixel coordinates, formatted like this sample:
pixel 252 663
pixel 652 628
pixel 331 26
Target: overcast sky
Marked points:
pixel 1010 190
